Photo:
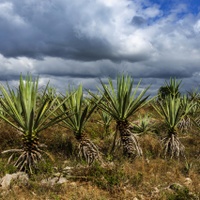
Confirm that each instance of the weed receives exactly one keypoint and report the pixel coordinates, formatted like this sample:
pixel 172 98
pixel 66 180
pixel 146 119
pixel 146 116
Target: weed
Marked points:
pixel 137 179
pixel 6 168
pixel 107 178
pixel 180 193
pixel 187 167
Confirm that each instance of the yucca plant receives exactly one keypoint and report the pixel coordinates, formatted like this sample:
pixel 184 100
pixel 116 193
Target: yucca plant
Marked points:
pixel 195 114
pixel 82 109
pixel 143 126
pixel 120 104
pixel 172 112
pixel 170 88
pixel 105 121
pixel 194 95
pixel 21 111
pixel 186 122
pixel 195 111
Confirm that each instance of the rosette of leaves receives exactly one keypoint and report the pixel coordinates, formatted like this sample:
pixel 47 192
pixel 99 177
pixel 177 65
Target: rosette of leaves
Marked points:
pixel 143 125
pixel 21 110
pixel 171 88
pixel 82 110
pixel 186 122
pixel 172 111
pixel 105 121
pixel 121 103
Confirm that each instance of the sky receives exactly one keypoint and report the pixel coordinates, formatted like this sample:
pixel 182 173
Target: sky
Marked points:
pixel 78 42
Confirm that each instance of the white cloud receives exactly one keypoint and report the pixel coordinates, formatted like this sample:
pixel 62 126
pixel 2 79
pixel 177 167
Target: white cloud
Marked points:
pixel 152 12
pixel 88 39
pixel 7 13
pixel 197 26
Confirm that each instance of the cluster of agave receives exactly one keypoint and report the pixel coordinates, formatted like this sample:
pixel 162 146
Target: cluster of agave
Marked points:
pixel 29 111
pixel 176 112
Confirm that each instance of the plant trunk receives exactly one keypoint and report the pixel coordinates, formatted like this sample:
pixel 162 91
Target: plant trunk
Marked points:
pixel 185 124
pixel 131 146
pixel 114 142
pixel 173 146
pixel 87 149
pixel 30 155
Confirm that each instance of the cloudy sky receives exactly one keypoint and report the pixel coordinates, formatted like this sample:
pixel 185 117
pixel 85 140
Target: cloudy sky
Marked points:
pixel 80 41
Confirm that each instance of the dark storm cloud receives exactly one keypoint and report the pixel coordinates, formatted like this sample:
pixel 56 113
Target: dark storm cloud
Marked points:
pixel 65 29
pixel 81 41
pixel 76 69
pixel 9 77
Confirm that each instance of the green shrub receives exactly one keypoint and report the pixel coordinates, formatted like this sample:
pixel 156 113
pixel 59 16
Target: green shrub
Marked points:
pixel 107 178
pixel 180 193
pixel 6 168
pixel 137 179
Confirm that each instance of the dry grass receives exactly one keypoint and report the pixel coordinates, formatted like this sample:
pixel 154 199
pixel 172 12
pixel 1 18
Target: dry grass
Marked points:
pixel 145 178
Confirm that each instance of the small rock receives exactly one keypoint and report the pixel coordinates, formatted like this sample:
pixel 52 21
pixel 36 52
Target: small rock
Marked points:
pixel 67 170
pixel 155 193
pixel 188 181
pixel 57 174
pixel 66 162
pixel 147 160
pixel 62 180
pixel 169 174
pixel 20 177
pixel 142 197
pixel 73 184
pixel 54 181
pixel 156 190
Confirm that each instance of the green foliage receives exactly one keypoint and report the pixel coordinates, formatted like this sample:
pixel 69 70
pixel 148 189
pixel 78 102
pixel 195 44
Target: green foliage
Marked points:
pixel 194 95
pixel 81 109
pixel 122 102
pixel 6 168
pixel 170 89
pixel 119 179
pixel 45 168
pixel 107 178
pixel 172 110
pixel 106 121
pixel 187 167
pixel 144 126
pixel 137 179
pixel 180 193
pixel 21 111
pixel 21 106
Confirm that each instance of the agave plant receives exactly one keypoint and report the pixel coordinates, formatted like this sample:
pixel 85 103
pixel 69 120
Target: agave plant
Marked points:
pixel 106 121
pixel 186 122
pixel 144 125
pixel 120 104
pixel 194 114
pixel 172 112
pixel 82 110
pixel 194 95
pixel 21 111
pixel 170 88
